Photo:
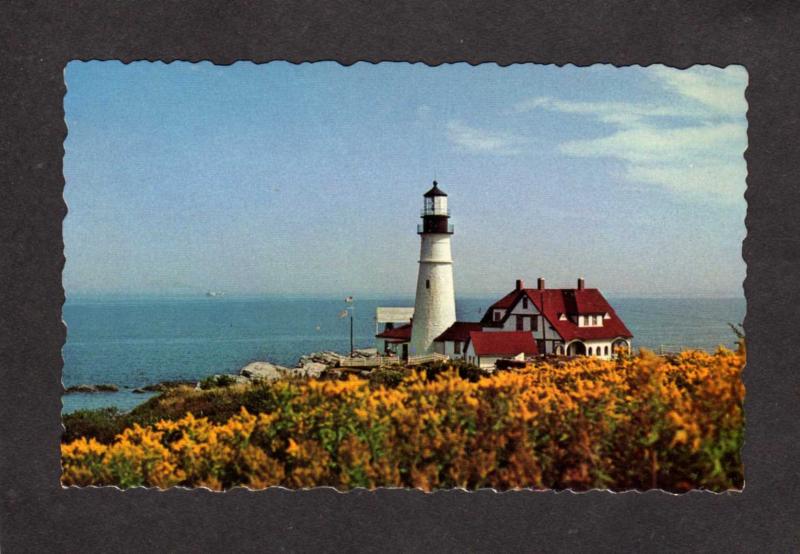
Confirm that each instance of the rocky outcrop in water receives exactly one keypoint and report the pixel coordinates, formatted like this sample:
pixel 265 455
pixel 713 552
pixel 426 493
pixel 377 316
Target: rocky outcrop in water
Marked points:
pixel 103 387
pixel 164 386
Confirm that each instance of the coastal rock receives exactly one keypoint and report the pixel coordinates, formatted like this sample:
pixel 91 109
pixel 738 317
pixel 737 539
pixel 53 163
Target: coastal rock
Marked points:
pixel 327 358
pixel 331 374
pixel 103 387
pixel 311 369
pixel 263 371
pixel 166 385
pixel 365 352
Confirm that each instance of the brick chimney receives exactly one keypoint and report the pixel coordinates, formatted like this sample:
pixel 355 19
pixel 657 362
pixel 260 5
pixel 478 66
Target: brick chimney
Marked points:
pixel 581 283
pixel 520 284
pixel 540 283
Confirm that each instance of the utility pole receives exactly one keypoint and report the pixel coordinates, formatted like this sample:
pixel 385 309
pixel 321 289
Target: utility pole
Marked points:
pixel 351 309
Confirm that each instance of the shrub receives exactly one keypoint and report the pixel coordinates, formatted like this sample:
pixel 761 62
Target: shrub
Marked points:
pixel 389 377
pixel 633 423
pixel 217 381
pixel 465 370
pixel 103 424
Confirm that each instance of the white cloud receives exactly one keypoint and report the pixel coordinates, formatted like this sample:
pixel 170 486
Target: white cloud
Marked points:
pixel 621 113
pixel 720 90
pixel 483 141
pixel 650 144
pixel 691 142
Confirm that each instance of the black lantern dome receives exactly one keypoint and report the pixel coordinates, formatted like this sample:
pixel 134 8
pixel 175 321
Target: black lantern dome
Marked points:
pixel 435 191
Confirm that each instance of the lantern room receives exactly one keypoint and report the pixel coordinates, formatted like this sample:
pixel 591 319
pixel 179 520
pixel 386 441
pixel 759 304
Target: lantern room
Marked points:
pixel 435 214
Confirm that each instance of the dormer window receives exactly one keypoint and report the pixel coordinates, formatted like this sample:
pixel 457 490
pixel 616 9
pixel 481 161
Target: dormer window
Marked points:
pixel 590 321
pixel 498 315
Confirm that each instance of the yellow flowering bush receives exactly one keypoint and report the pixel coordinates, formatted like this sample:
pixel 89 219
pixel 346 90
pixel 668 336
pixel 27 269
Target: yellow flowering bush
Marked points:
pixel 674 423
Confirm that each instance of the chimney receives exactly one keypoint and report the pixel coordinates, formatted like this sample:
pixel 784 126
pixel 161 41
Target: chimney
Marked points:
pixel 520 284
pixel 540 283
pixel 581 283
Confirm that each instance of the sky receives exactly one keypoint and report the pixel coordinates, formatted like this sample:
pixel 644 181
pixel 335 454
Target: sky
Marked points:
pixel 282 179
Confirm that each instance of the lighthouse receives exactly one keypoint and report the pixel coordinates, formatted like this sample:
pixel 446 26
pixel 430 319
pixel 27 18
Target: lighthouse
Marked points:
pixel 435 304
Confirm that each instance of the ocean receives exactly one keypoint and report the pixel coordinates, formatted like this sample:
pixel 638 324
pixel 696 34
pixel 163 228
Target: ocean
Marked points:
pixel 133 342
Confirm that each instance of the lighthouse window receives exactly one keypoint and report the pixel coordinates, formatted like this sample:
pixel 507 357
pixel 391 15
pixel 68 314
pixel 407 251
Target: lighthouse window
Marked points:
pixel 427 283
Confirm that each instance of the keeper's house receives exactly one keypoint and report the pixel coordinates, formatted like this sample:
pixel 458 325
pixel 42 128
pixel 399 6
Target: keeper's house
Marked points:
pixel 571 322
pixel 562 322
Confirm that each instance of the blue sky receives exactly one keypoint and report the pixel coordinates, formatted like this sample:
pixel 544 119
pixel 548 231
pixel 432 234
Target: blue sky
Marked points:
pixel 307 179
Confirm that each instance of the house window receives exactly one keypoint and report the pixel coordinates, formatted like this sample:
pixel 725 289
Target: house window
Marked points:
pixel 520 322
pixel 497 315
pixel 589 351
pixel 534 323
pixel 427 283
pixel 525 303
pixel 457 347
pixel 606 350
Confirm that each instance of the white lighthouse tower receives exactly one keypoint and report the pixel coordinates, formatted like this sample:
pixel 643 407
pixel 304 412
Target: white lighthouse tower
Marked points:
pixel 435 305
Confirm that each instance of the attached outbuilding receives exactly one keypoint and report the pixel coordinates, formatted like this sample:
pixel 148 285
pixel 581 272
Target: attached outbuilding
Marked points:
pixel 484 348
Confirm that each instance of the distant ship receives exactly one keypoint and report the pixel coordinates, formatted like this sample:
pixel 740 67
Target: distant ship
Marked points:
pixel 214 294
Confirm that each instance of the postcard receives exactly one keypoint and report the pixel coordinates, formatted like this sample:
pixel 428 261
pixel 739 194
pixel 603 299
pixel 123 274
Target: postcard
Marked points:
pixel 397 275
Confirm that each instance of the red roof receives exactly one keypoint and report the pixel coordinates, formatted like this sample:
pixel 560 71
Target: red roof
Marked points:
pixel 571 302
pixel 402 333
pixel 503 343
pixel 459 331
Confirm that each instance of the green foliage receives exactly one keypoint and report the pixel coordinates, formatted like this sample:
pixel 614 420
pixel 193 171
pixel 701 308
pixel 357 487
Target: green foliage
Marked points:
pixel 217 381
pixel 388 377
pixel 103 424
pixel 465 370
pixel 741 341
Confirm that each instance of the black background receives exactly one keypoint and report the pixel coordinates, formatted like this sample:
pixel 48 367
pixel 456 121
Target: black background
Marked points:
pixel 38 38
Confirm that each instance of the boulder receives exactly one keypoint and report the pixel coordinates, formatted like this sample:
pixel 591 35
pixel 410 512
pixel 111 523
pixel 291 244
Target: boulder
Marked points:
pixel 310 369
pixel 105 387
pixel 263 371
pixel 327 358
pixel 81 388
pixel 365 352
pixel 331 374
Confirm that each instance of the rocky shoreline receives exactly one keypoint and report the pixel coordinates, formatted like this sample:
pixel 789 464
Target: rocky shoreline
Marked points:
pixel 315 365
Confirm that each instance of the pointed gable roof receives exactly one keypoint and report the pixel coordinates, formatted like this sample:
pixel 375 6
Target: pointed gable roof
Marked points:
pixel 505 303
pixel 573 302
pixel 552 303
